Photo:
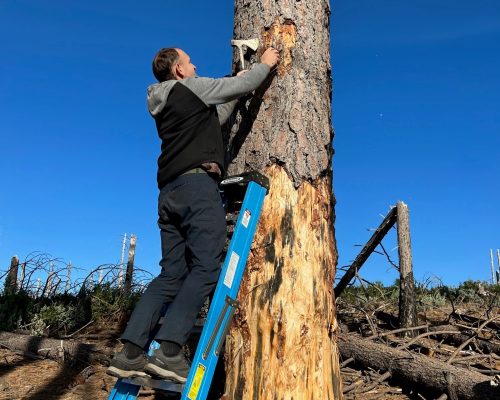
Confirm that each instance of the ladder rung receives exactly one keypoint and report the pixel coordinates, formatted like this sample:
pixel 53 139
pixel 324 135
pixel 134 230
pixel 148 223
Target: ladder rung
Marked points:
pixel 155 383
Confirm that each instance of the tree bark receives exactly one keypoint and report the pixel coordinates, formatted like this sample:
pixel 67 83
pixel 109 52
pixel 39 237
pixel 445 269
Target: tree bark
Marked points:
pixel 407 306
pixel 282 343
pixel 419 370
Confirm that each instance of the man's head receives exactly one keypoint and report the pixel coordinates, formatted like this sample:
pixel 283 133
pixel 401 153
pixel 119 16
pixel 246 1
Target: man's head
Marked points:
pixel 172 64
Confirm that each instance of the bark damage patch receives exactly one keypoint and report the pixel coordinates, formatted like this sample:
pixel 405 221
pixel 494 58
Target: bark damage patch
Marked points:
pixel 286 301
pixel 281 36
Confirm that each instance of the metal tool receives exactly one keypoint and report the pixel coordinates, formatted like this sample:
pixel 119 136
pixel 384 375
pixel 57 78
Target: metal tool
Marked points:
pixel 243 45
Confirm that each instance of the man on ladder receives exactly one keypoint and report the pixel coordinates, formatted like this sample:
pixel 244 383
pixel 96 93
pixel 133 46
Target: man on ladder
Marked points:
pixel 188 112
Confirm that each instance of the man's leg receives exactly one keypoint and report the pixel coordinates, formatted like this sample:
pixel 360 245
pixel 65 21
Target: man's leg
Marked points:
pixel 130 361
pixel 161 290
pixel 203 223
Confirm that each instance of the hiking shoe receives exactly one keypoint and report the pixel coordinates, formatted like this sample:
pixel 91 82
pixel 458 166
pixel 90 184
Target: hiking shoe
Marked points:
pixel 174 368
pixel 123 367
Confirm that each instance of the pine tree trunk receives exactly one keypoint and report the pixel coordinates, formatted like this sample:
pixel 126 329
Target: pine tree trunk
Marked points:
pixel 282 344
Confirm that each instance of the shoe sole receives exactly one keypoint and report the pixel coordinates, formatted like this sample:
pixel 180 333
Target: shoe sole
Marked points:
pixel 163 373
pixel 121 373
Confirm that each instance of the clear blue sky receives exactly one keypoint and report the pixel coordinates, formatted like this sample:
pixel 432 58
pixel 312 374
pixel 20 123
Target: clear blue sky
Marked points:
pixel 416 111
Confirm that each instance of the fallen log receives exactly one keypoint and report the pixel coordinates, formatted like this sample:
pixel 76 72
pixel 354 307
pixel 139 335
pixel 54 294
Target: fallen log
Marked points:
pixel 459 337
pixel 433 375
pixel 450 338
pixel 474 320
pixel 67 351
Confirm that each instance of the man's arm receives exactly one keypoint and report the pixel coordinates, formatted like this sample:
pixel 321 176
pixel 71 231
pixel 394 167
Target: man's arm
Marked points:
pixel 224 90
pixel 225 110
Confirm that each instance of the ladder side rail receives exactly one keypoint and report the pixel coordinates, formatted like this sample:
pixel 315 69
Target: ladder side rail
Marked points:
pixel 240 245
pixel 124 391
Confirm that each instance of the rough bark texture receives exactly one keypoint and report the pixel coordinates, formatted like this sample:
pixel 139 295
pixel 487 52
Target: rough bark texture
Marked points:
pixel 420 370
pixel 407 306
pixel 290 125
pixel 282 344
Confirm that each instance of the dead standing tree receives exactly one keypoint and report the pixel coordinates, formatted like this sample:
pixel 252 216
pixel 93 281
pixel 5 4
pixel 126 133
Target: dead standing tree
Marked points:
pixel 11 280
pixel 130 265
pixel 282 344
pixel 407 301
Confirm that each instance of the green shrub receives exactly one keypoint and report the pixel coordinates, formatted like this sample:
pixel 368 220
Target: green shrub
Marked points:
pixel 14 310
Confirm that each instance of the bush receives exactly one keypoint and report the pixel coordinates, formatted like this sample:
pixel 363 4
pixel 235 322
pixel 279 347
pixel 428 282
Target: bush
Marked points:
pixel 14 309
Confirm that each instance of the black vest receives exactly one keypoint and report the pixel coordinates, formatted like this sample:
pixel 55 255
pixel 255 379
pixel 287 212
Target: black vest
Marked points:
pixel 190 134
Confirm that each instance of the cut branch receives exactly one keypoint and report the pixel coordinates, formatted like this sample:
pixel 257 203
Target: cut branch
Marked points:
pixel 369 247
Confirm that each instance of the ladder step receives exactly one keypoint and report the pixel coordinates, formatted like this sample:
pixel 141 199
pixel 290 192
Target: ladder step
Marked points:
pixel 160 384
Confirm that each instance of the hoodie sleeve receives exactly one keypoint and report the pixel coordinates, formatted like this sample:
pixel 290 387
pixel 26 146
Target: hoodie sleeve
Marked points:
pixel 225 110
pixel 224 90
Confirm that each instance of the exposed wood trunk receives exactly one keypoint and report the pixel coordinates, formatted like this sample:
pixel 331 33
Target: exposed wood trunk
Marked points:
pixel 59 350
pixel 407 306
pixel 419 370
pixel 130 264
pixel 368 248
pixel 11 280
pixel 282 344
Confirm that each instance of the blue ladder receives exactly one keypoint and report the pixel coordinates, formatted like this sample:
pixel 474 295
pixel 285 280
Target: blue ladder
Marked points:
pixel 254 187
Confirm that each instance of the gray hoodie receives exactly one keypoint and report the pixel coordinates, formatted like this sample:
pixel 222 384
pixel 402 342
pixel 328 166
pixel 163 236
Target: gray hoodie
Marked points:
pixel 223 92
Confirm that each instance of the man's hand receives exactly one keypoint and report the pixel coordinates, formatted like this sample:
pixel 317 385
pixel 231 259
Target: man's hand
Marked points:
pixel 271 57
pixel 242 72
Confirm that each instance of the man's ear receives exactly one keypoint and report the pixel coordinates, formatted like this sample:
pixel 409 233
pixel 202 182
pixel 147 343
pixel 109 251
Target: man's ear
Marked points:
pixel 179 71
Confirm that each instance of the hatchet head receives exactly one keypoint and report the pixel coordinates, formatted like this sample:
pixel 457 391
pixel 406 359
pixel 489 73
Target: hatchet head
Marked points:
pixel 243 45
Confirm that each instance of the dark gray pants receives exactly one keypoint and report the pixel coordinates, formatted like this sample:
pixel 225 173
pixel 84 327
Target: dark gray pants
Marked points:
pixel 192 225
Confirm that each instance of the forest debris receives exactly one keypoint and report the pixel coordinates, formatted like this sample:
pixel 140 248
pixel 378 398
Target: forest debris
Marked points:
pixel 420 370
pixel 59 350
